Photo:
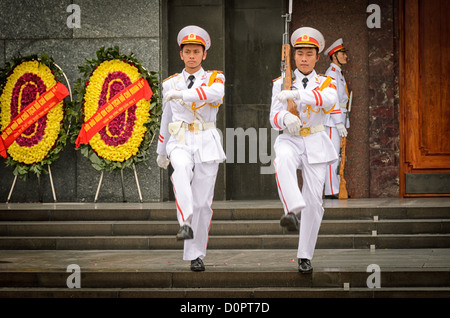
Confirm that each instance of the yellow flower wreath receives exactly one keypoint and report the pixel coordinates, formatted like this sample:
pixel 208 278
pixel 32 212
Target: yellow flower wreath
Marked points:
pixel 39 147
pixel 97 86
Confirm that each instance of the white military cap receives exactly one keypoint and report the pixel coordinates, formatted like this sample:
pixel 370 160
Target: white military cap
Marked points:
pixel 337 46
pixel 308 37
pixel 193 34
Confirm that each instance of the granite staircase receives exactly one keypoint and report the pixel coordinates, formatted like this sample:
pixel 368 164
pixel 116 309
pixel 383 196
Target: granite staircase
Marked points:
pixel 249 254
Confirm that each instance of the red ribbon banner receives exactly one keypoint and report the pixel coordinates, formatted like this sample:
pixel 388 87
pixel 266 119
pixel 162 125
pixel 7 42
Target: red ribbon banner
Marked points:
pixel 123 100
pixel 28 116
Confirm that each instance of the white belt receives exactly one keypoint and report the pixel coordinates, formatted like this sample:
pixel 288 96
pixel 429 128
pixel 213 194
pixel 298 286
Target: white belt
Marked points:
pixel 195 126
pixel 306 131
pixel 178 129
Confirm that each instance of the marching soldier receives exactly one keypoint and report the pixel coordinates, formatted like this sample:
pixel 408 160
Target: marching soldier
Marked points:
pixel 190 141
pixel 335 127
pixel 304 144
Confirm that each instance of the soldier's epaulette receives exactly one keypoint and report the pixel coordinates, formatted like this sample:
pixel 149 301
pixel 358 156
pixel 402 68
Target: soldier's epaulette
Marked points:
pixel 220 72
pixel 170 77
pixel 326 76
pixel 276 79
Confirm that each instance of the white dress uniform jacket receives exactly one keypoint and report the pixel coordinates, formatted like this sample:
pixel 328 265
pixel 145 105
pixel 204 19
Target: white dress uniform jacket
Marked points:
pixel 313 112
pixel 338 115
pixel 206 144
pixel 311 154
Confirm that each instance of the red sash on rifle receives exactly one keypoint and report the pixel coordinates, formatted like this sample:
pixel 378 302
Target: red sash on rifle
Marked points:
pixel 126 98
pixel 28 116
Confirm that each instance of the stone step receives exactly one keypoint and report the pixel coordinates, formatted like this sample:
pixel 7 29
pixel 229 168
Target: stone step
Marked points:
pixel 227 210
pixel 162 242
pixel 130 250
pixel 389 278
pixel 235 225
pixel 234 274
pixel 243 227
pixel 231 294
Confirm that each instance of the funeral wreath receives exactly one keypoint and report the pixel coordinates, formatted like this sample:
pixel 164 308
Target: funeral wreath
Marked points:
pixel 33 120
pixel 119 109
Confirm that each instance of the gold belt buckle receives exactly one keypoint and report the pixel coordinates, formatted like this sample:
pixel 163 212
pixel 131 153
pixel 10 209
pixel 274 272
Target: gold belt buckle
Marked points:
pixel 193 126
pixel 305 131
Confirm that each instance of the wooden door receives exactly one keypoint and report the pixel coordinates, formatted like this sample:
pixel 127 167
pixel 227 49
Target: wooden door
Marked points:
pixel 424 97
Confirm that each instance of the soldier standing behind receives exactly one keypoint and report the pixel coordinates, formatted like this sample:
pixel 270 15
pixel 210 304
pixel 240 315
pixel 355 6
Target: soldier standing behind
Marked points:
pixel 304 144
pixel 335 127
pixel 189 138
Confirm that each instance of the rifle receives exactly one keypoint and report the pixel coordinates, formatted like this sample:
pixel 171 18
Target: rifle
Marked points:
pixel 343 194
pixel 286 70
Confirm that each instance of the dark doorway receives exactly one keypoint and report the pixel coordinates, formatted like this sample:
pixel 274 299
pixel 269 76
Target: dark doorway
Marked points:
pixel 253 40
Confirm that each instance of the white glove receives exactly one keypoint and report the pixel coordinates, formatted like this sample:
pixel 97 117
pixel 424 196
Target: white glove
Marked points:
pixel 173 94
pixel 292 123
pixel 287 94
pixel 162 161
pixel 341 129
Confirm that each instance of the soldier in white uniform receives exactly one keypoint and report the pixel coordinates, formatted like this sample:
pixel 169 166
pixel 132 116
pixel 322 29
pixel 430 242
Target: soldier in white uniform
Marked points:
pixel 304 144
pixel 190 141
pixel 335 122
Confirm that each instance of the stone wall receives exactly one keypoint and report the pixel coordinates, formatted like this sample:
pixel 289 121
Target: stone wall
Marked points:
pixel 40 26
pixel 383 97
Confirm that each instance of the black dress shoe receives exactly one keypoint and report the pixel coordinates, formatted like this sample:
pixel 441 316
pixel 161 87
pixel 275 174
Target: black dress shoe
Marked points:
pixel 185 233
pixel 289 221
pixel 332 196
pixel 197 265
pixel 304 265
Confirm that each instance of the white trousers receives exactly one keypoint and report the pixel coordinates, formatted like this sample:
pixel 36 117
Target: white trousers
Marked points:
pixel 308 202
pixel 333 179
pixel 193 185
